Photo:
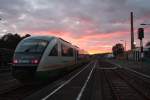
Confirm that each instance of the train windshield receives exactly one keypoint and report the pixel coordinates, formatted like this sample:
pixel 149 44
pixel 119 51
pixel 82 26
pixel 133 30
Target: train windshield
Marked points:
pixel 32 46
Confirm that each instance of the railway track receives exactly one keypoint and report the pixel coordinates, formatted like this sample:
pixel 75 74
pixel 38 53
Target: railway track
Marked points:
pixel 95 81
pixel 19 91
pixel 140 82
pixel 69 89
pixel 4 70
pixel 121 87
pixel 99 81
pixel 14 90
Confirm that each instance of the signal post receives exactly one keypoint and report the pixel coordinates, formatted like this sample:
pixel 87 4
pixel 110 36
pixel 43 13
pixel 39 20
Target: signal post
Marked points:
pixel 140 37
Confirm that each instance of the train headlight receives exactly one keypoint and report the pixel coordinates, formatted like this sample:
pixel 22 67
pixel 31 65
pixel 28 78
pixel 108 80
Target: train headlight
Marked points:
pixel 35 61
pixel 15 61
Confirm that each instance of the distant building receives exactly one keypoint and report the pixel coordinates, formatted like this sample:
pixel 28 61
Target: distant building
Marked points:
pixel 110 55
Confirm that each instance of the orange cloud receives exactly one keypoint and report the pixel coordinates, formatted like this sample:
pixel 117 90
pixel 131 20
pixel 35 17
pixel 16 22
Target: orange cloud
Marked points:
pixel 93 43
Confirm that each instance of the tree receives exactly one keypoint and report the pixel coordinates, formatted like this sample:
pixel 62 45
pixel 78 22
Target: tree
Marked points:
pixel 27 35
pixel 118 49
pixel 10 41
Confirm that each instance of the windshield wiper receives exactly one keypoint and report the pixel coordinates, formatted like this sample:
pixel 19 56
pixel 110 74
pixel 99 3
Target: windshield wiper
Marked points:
pixel 31 48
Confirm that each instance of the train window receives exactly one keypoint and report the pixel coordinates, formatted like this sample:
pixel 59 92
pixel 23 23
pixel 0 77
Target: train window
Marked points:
pixel 54 51
pixel 66 51
pixel 32 46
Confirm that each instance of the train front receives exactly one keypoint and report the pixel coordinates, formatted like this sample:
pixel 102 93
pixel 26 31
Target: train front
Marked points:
pixel 27 57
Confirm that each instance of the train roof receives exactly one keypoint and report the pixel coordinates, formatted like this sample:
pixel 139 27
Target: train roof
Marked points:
pixel 47 38
pixel 64 40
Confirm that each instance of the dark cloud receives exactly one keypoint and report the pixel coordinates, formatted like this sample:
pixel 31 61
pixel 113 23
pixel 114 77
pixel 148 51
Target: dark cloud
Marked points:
pixel 76 16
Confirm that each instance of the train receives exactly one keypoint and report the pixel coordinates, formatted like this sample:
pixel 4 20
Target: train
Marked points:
pixel 43 57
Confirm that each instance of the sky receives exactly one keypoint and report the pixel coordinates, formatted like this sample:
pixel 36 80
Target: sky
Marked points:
pixel 93 25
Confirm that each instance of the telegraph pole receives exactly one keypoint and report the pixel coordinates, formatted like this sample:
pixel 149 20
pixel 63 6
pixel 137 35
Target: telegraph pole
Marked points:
pixel 132 32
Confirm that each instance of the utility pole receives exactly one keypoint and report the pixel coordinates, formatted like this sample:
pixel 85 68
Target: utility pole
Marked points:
pixel 132 32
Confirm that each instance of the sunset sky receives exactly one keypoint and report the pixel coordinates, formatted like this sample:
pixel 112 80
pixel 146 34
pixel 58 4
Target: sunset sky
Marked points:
pixel 93 25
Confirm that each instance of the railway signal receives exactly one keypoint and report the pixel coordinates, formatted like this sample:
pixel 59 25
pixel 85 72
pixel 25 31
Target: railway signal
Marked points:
pixel 140 33
pixel 140 37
